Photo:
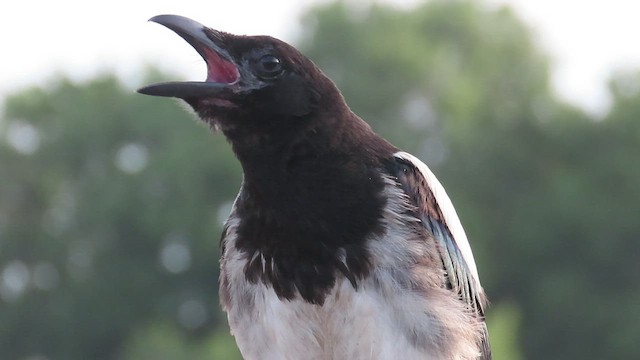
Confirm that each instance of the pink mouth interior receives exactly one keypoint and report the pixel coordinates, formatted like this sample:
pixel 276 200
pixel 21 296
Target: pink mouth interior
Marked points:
pixel 218 69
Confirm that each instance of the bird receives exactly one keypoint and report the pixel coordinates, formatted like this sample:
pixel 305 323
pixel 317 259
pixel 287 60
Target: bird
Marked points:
pixel 339 245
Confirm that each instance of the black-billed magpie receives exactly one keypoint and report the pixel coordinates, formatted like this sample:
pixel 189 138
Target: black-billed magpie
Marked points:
pixel 339 245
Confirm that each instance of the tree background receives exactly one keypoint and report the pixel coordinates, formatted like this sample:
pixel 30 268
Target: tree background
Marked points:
pixel 111 203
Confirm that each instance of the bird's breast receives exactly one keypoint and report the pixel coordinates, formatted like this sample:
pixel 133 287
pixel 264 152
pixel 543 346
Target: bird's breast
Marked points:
pixel 397 311
pixel 349 325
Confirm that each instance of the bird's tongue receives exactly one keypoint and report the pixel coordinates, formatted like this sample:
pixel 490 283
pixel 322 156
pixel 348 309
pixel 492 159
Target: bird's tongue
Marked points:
pixel 219 70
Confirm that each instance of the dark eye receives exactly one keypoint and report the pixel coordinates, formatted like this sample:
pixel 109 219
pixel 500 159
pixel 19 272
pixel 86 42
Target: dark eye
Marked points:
pixel 269 67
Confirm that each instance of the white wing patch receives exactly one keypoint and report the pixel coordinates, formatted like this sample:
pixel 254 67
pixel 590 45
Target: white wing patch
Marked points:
pixel 448 211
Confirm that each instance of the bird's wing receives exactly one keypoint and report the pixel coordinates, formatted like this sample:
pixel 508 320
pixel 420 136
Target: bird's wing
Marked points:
pixel 435 210
pixel 439 217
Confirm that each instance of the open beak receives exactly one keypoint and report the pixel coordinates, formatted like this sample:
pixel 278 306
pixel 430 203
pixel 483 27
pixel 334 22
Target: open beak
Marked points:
pixel 222 72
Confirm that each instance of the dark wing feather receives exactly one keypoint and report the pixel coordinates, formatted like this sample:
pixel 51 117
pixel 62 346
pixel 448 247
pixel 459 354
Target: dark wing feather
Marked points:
pixel 436 212
pixel 223 290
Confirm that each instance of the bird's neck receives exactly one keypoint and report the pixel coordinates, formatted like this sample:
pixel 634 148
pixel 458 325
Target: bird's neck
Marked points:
pixel 306 201
pixel 277 153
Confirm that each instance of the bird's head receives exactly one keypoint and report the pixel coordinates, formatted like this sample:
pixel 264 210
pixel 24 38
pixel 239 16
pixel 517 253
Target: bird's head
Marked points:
pixel 255 84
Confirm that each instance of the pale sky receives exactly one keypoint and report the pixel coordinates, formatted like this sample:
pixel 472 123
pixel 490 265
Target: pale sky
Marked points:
pixel 587 40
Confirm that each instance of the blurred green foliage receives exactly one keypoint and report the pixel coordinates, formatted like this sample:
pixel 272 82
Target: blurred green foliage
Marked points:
pixel 111 203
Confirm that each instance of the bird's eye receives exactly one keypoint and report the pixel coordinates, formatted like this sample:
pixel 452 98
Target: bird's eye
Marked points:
pixel 269 67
